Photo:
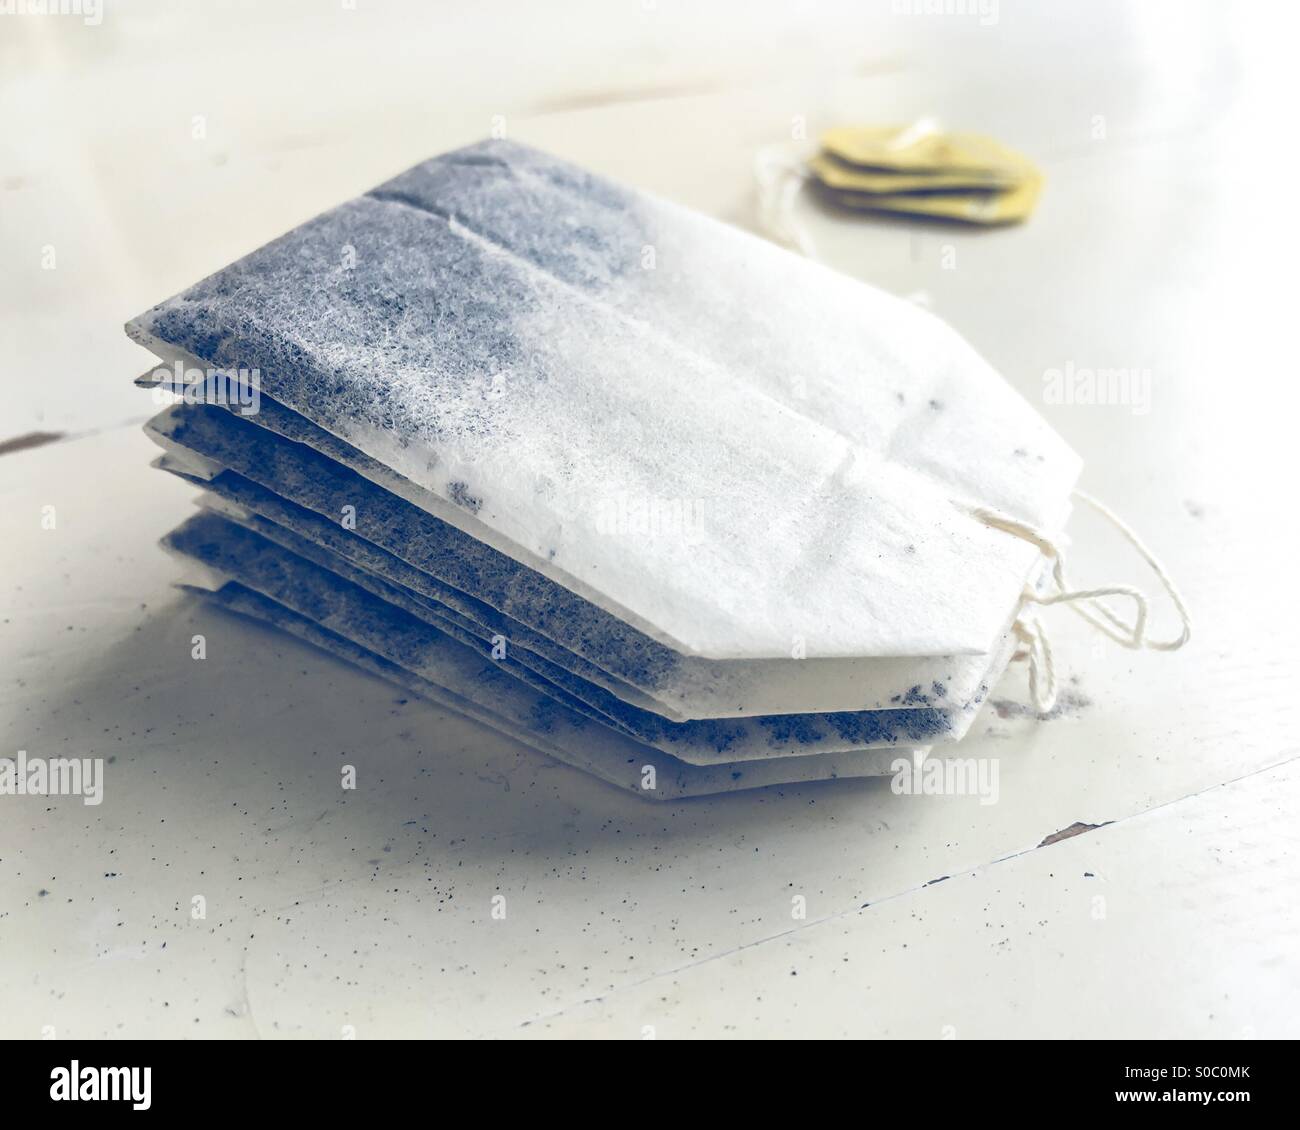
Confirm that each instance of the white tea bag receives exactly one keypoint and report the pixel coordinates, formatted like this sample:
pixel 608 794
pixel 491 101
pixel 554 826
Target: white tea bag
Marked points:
pixel 545 357
pixel 525 607
pixel 376 637
pixel 263 549
pixel 259 560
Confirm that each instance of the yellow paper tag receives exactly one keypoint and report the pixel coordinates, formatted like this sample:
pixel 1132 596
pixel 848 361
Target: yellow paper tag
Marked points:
pixel 989 208
pixel 836 174
pixel 905 149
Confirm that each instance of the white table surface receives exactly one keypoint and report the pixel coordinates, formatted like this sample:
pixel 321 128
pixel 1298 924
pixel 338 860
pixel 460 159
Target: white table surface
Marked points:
pixel 1165 244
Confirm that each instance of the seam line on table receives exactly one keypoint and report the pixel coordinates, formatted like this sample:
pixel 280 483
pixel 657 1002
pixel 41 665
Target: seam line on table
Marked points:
pixel 842 914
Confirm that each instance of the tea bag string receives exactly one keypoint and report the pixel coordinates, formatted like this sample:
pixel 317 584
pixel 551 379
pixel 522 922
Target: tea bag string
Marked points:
pixel 780 175
pixel 1086 602
pixel 1042 668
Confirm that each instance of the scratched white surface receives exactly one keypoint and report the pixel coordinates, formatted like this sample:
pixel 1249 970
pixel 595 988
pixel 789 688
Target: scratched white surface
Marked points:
pixel 1161 245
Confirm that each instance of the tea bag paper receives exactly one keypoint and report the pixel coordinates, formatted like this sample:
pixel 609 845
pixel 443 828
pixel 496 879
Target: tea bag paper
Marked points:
pixel 535 349
pixel 296 487
pixel 265 550
pixel 374 636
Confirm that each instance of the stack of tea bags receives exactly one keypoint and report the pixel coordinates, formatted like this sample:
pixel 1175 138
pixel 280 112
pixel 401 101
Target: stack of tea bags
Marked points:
pixel 638 489
pixel 920 171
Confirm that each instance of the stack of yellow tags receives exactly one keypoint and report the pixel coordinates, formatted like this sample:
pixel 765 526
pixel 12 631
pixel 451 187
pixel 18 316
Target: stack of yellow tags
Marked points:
pixel 920 171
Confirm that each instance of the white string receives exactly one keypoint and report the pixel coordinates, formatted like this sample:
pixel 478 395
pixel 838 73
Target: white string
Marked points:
pixel 1086 602
pixel 1041 664
pixel 780 175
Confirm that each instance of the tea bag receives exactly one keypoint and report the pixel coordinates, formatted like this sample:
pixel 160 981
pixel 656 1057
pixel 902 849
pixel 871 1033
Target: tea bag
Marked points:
pixel 378 637
pixel 264 547
pixel 626 484
pixel 533 349
pixel 297 487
